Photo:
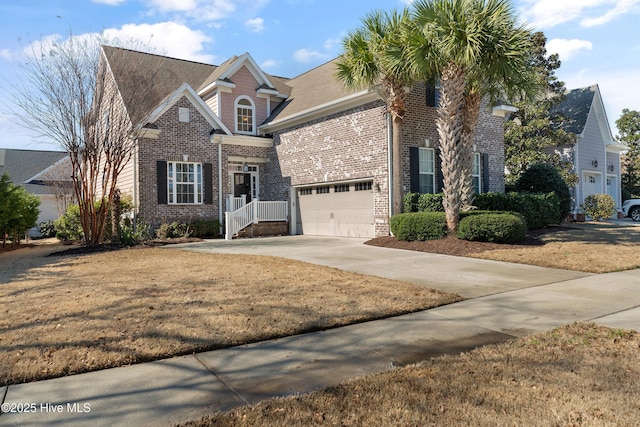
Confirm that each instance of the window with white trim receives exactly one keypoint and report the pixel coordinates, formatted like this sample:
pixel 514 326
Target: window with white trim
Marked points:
pixel 476 173
pixel 184 181
pixel 245 115
pixel 426 170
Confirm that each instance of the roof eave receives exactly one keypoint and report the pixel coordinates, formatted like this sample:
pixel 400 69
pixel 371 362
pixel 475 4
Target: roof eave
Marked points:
pixel 319 111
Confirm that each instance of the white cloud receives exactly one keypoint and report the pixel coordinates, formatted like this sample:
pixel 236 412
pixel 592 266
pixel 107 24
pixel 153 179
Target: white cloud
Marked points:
pixel 6 54
pixel 173 5
pixel 307 55
pixel 270 64
pixel 256 24
pixel 621 7
pixel 331 44
pixel 549 13
pixel 109 2
pixel 168 38
pixel 567 49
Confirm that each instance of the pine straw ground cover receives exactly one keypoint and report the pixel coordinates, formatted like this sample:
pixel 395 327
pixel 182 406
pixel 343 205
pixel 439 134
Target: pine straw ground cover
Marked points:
pixel 71 314
pixel 592 247
pixel 576 375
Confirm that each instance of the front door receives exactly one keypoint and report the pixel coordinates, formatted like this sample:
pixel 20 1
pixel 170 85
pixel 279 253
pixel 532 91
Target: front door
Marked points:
pixel 242 185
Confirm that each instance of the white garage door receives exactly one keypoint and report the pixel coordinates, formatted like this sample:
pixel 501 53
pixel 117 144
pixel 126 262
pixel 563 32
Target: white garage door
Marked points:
pixel 336 210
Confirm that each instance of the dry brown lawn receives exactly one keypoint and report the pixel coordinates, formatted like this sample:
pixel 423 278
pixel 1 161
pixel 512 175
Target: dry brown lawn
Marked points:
pixel 577 375
pixel 71 314
pixel 590 247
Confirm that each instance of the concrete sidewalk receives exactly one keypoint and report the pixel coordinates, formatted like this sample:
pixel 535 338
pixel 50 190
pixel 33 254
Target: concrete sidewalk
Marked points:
pixel 511 301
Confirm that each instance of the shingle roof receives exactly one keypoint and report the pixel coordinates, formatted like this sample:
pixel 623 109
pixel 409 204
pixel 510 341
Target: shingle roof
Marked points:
pixel 23 165
pixel 306 91
pixel 160 77
pixel 575 108
pixel 311 89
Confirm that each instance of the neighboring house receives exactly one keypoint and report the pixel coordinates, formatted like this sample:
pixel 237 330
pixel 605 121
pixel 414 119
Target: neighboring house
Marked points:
pixel 31 169
pixel 217 137
pixel 596 155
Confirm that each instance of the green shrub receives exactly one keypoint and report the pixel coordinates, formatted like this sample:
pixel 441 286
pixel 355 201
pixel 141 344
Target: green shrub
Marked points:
pixel 419 226
pixel 205 228
pixel 598 206
pixel 492 227
pixel 539 210
pixel 132 233
pixel 47 229
pixel 416 202
pixel 544 178
pixel 68 226
pixel 173 230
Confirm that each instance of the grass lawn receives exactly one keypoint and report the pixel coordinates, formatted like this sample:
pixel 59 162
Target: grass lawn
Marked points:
pixel 577 375
pixel 75 314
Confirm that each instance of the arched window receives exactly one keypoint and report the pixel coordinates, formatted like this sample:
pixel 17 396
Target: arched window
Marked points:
pixel 245 115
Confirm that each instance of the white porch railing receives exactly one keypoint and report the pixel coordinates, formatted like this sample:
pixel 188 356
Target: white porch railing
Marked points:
pixel 254 212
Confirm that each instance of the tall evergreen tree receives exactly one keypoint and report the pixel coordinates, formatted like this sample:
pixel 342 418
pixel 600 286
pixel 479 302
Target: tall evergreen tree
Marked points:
pixel 629 128
pixel 534 129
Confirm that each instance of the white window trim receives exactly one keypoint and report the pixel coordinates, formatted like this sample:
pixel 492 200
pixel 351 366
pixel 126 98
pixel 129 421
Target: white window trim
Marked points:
pixel 433 167
pixel 477 158
pixel 198 186
pixel 253 115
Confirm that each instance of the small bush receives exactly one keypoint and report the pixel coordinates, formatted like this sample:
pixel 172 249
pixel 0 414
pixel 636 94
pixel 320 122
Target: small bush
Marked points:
pixel 416 202
pixel 539 210
pixel 205 228
pixel 131 233
pixel 68 226
pixel 492 227
pixel 419 226
pixel 173 230
pixel 544 178
pixel 598 206
pixel 47 229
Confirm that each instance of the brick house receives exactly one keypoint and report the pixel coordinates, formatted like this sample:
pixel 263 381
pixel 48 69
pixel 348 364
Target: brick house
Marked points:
pixel 305 150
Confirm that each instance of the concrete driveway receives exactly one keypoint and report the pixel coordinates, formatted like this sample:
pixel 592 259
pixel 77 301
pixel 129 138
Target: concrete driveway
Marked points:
pixel 468 277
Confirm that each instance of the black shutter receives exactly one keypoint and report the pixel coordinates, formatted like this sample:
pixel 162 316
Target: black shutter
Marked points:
pixel 208 183
pixel 431 94
pixel 161 166
pixel 414 170
pixel 439 178
pixel 485 172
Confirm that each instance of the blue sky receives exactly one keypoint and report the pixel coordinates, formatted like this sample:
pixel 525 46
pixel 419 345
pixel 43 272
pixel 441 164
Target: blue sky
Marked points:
pixel 598 40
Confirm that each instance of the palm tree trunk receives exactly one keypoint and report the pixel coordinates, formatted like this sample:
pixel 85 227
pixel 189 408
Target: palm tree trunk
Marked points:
pixel 470 120
pixel 396 155
pixel 449 123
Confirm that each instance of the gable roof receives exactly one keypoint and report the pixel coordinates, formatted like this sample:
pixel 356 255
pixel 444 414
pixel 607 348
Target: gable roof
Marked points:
pixel 160 76
pixel 575 108
pixel 315 91
pixel 187 91
pixel 24 165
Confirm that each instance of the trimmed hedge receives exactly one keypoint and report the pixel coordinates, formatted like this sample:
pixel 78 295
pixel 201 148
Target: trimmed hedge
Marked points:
pixel 416 202
pixel 539 210
pixel 492 227
pixel 419 226
pixel 205 228
pixel 544 178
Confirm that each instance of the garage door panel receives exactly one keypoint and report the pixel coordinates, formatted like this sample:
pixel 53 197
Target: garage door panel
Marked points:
pixel 345 213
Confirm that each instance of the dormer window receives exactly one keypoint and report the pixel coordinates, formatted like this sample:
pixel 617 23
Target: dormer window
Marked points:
pixel 245 115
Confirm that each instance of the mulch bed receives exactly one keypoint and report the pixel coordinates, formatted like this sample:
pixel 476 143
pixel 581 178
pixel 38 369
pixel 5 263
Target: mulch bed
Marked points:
pixel 458 247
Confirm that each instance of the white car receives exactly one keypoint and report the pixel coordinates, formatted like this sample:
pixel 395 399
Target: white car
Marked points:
pixel 631 208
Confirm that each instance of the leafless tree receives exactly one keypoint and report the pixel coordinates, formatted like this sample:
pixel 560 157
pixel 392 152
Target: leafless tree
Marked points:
pixel 68 94
pixel 58 178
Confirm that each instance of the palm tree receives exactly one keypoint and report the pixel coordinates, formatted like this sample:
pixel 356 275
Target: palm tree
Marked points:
pixel 477 48
pixel 374 57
